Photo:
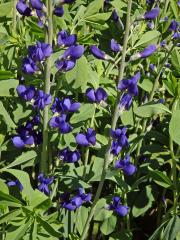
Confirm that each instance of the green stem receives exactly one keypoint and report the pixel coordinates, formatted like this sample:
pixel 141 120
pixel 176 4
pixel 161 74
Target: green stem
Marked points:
pixel 108 155
pixel 86 156
pixel 49 34
pixel 155 86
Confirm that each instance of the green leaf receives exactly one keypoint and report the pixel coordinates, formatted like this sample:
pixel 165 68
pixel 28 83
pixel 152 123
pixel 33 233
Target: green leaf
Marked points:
pixel 48 228
pixel 99 17
pixel 174 131
pixel 7 197
pixel 6 75
pixel 175 59
pixel 9 216
pixel 8 88
pixel 143 201
pixel 94 7
pixel 147 38
pixel 3 40
pixel 101 213
pixel 25 157
pixel 82 216
pixel 158 231
pixel 108 225
pixel 78 76
pixel 160 178
pixel 34 230
pixel 6 116
pixel 122 235
pixel 40 200
pixel 23 177
pixel 7 9
pixel 151 109
pixel 85 112
pixel 19 232
pixel 172 229
pixel 146 84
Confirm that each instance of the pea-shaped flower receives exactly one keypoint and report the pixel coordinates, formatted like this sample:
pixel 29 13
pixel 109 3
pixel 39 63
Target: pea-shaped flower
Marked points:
pixel 115 47
pixel 29 66
pixel 97 95
pixel 27 93
pixel 41 100
pixel 36 4
pixel 96 52
pixel 69 156
pixel 126 166
pixel 64 39
pixel 65 105
pixel 86 139
pixel 125 101
pixel 61 123
pixel 44 183
pixel 59 11
pixel 118 207
pixel 150 15
pixel 148 51
pixel 40 51
pixel 23 8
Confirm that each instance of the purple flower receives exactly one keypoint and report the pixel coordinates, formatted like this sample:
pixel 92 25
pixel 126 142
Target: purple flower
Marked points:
pixel 173 26
pixel 125 165
pixel 117 207
pixel 163 43
pixel 67 1
pixel 125 101
pixel 29 66
pixel 27 93
pixel 115 47
pixel 61 123
pixel 97 95
pixel 98 53
pixel 44 183
pixel 37 4
pixel 75 202
pixel 40 51
pixel 150 2
pixel 152 67
pixel 152 14
pixel 150 25
pixel 23 8
pixel 65 65
pixel 148 51
pixel 115 16
pixel 41 100
pixel 87 139
pixel 69 156
pixel 27 136
pixel 130 84
pixel 65 105
pixel 178 3
pixel 59 11
pixel 119 140
pixel 74 52
pixel 66 40
pixel 15 183
pixel 176 35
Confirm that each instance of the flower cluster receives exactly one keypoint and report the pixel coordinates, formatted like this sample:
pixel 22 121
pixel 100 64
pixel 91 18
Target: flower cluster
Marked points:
pixel 69 156
pixel 38 98
pixel 118 207
pixel 36 54
pixel 44 183
pixel 125 165
pixel 120 140
pixel 75 202
pixel 175 29
pixel 60 109
pixel 28 135
pixel 130 86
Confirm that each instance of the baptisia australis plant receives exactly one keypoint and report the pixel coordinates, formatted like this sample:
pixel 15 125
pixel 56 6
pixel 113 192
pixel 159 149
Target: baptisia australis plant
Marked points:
pixel 82 88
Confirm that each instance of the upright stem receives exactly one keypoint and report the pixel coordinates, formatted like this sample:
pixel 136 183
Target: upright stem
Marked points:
pixel 49 36
pixel 108 155
pixel 14 17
